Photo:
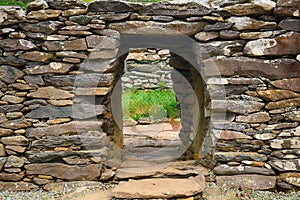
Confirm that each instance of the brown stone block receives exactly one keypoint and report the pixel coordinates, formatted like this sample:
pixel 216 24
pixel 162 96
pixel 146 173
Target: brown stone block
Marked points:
pixel 65 172
pixel 272 69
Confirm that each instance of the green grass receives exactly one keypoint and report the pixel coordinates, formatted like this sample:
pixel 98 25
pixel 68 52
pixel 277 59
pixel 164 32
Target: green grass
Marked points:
pixel 13 3
pixel 146 1
pixel 156 104
pixel 23 4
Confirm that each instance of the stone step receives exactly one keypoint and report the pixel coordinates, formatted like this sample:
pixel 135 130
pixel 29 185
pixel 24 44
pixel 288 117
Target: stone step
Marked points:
pixel 142 169
pixel 159 188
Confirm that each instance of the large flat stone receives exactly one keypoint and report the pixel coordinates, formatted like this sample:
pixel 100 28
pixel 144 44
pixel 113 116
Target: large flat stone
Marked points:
pixel 176 10
pixel 11 108
pixel 236 106
pixel 218 26
pixel 291 177
pixel 50 93
pixel 93 91
pixel 65 172
pixel 247 182
pixel 6 132
pixel 229 135
pixel 286 153
pixel 70 128
pixel 57 156
pixel 14 162
pixel 61 186
pixel 10 74
pixel 15 140
pixel 16 124
pixel 234 170
pixel 13 61
pixel 158 28
pixel 252 8
pixel 276 95
pixel 91 79
pixel 47 27
pixel 77 111
pixel 291 143
pixel 283 103
pixel 36 5
pixel 16 44
pixel 290 24
pixel 52 68
pixel 113 6
pixel 11 15
pixel 86 142
pixel 71 54
pixel 66 4
pixel 114 16
pixel 239 156
pixel 285 165
pixel 43 14
pixel 99 65
pixel 73 45
pixel 159 188
pixel 292 84
pixel 272 69
pixel 286 44
pixel 17 186
pixel 231 126
pixel 101 42
pixel 247 23
pixel 142 169
pixel 287 8
pixel 12 99
pixel 11 177
pixel 220 48
pixel 254 118
pixel 255 35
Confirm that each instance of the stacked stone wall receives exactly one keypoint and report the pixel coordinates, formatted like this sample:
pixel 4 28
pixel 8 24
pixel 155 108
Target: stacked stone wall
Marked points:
pixel 59 64
pixel 147 69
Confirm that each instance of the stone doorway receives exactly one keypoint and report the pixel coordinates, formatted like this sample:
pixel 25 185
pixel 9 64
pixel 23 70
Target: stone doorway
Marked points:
pixel 151 111
pixel 188 86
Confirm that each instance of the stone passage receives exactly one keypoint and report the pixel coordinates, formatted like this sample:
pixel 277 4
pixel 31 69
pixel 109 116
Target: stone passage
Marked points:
pixel 236 68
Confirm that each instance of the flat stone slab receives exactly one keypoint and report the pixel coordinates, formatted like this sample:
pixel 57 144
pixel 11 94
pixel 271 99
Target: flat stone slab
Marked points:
pixel 159 188
pixel 142 169
pixel 247 182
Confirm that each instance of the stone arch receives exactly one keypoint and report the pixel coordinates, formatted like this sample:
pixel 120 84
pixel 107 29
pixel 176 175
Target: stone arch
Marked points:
pixel 186 63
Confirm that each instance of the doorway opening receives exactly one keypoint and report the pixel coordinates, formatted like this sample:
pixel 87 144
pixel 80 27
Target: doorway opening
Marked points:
pixel 189 88
pixel 151 111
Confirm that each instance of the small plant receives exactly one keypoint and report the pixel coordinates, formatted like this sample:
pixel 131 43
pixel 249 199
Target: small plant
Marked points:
pixel 157 112
pixel 162 85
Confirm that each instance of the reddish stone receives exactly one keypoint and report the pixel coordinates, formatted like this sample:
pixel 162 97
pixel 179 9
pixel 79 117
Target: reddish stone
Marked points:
pixel 66 172
pixel 272 69
pixel 292 84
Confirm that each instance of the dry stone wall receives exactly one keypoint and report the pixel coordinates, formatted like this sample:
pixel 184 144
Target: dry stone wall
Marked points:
pixel 147 69
pixel 59 64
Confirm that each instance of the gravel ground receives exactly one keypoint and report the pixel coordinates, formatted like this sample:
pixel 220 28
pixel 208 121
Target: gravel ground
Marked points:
pixel 61 195
pixel 36 195
pixel 66 194
pixel 265 195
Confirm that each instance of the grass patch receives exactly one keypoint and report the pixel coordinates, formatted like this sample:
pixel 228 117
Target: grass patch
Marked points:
pixel 145 1
pixel 155 104
pixel 14 3
pixel 23 4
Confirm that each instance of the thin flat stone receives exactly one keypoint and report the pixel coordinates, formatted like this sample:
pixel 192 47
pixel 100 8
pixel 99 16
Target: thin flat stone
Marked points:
pixel 159 188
